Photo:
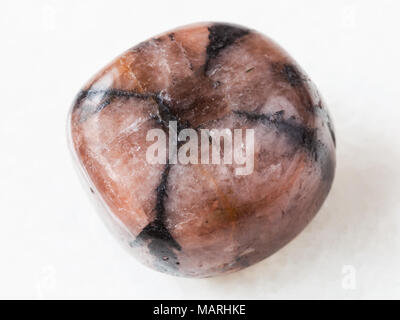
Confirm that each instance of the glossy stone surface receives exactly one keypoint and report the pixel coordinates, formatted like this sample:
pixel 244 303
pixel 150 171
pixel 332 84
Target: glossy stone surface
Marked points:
pixel 202 220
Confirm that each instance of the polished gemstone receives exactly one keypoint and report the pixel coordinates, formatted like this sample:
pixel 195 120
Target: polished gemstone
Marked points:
pixel 181 212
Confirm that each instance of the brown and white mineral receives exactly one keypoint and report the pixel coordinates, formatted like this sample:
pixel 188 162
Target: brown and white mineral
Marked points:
pixel 201 220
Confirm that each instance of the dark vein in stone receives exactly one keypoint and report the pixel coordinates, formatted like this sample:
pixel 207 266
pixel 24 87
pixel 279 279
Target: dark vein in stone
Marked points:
pixel 109 93
pixel 107 96
pixel 221 36
pixel 161 192
pixel 323 112
pixel 292 75
pixel 328 121
pixel 297 134
pixel 164 112
pixel 161 242
pixel 289 73
pixel 332 132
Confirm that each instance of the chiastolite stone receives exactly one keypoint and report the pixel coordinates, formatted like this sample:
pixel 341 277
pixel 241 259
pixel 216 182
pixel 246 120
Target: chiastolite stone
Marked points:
pixel 184 210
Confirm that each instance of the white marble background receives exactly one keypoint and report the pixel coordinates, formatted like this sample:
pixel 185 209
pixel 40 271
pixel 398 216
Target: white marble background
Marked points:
pixel 53 244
